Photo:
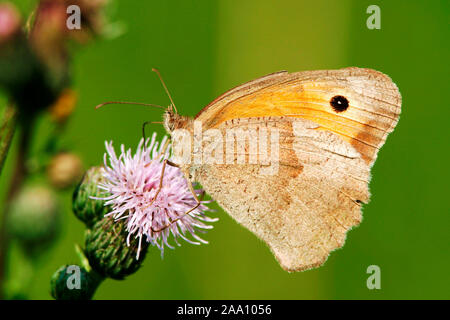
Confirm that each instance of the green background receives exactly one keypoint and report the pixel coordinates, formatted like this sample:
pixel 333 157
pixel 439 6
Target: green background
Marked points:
pixel 204 48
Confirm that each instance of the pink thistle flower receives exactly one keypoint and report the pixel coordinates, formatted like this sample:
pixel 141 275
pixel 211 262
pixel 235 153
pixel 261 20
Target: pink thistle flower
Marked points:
pixel 132 182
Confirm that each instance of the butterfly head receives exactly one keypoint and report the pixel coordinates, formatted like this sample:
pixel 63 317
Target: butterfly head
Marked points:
pixel 173 121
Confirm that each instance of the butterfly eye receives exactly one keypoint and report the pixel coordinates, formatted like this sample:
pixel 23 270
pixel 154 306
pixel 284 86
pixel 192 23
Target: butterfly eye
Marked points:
pixel 339 103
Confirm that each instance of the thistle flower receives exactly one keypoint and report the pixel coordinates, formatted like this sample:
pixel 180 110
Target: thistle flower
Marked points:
pixel 132 182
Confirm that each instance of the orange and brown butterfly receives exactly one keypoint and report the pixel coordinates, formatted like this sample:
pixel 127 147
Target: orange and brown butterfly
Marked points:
pixel 329 124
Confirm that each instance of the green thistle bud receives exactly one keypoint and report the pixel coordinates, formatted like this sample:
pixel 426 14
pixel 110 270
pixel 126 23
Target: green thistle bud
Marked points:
pixel 107 250
pixel 74 283
pixel 34 217
pixel 85 208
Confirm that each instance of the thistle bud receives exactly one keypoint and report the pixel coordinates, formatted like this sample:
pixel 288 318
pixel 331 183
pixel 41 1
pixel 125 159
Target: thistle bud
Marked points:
pixel 85 208
pixel 108 252
pixel 34 217
pixel 71 282
pixel 64 170
pixel 22 71
pixel 48 35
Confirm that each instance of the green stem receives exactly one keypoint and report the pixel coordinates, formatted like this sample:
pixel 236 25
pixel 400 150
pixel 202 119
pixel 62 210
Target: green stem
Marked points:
pixel 97 280
pixel 19 175
pixel 7 129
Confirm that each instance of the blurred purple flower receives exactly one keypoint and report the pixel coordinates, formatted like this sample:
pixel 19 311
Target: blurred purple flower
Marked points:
pixel 132 181
pixel 9 21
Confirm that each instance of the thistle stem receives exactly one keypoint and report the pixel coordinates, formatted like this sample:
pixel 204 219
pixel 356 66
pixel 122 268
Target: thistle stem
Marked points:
pixel 97 280
pixel 19 175
pixel 7 129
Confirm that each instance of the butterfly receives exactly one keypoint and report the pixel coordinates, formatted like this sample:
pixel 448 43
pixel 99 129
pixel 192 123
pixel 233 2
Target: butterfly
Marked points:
pixel 329 126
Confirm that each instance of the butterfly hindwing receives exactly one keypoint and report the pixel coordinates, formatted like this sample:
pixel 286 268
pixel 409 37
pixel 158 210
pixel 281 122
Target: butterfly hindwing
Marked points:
pixel 303 210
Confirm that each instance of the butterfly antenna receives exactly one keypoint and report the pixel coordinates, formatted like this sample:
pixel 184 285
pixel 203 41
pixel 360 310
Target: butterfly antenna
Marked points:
pixel 165 88
pixel 126 102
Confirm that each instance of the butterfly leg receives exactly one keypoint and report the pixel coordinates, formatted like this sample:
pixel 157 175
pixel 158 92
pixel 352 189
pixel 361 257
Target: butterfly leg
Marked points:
pixel 143 129
pixel 197 200
pixel 162 152
pixel 191 188
pixel 165 162
pixel 160 183
pixel 147 123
